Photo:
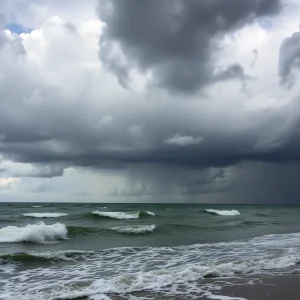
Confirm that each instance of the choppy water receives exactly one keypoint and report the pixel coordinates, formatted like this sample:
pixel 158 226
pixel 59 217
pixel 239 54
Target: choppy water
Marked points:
pixel 135 251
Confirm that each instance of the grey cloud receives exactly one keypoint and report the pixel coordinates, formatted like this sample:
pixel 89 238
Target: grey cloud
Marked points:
pixel 46 171
pixel 45 125
pixel 175 40
pixel 255 57
pixel 234 71
pixel 289 58
pixel 71 27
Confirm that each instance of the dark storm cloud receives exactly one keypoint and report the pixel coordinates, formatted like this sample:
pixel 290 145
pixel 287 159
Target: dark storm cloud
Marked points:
pixel 289 58
pixel 163 144
pixel 176 40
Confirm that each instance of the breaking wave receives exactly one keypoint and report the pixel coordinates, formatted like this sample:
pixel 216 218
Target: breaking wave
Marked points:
pixel 122 215
pixel 223 212
pixel 35 233
pixel 45 215
pixel 135 229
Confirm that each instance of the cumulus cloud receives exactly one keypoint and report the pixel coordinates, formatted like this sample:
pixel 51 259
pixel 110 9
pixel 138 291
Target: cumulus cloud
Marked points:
pixel 289 58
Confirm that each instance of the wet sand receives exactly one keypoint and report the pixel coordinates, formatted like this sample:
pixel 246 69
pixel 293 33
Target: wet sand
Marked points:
pixel 265 288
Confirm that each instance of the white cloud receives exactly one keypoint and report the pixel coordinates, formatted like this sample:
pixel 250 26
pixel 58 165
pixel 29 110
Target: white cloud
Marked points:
pixel 8 181
pixel 183 140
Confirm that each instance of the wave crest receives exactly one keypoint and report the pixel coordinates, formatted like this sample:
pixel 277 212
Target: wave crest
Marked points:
pixel 232 212
pixel 135 229
pixel 122 215
pixel 45 215
pixel 35 233
pixel 23 257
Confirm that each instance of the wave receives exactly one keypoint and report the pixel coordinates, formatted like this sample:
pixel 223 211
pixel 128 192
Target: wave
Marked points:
pixel 150 213
pixel 157 270
pixel 28 257
pixel 35 233
pixel 36 206
pixel 45 215
pixel 135 229
pixel 122 215
pixel 223 212
pixel 130 229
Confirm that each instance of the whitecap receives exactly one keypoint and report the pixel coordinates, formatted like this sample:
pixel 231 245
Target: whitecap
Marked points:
pixel 45 215
pixel 150 213
pixel 36 233
pixel 135 229
pixel 232 212
pixel 117 214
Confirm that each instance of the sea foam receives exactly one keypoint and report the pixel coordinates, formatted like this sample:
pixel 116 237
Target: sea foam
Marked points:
pixel 232 212
pixel 45 215
pixel 36 233
pixel 177 272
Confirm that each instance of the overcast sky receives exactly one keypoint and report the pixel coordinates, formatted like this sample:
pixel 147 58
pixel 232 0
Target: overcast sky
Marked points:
pixel 136 101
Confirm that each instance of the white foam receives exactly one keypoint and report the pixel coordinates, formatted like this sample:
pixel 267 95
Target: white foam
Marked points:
pixel 135 229
pixel 117 214
pixel 36 206
pixel 59 255
pixel 45 215
pixel 150 213
pixel 177 272
pixel 232 212
pixel 35 233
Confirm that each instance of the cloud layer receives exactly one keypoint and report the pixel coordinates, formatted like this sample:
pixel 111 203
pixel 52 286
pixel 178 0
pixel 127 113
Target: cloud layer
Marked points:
pixel 181 98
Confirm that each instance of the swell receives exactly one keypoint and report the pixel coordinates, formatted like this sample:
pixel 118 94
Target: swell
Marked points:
pixel 129 229
pixel 42 257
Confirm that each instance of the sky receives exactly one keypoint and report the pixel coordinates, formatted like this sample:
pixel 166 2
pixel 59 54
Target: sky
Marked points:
pixel 150 101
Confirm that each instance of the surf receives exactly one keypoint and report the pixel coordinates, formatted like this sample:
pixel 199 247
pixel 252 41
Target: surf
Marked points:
pixel 45 215
pixel 35 233
pixel 232 212
pixel 122 215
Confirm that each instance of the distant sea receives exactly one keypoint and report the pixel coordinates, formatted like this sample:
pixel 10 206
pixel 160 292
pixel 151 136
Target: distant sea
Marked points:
pixel 142 251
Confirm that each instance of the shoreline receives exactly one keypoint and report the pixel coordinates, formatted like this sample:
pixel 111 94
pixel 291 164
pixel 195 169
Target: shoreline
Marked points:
pixel 278 287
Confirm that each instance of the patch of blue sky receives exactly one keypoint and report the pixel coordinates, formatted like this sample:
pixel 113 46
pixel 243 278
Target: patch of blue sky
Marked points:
pixel 17 28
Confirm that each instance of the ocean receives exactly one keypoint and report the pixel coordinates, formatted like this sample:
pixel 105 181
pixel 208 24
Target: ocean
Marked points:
pixel 142 251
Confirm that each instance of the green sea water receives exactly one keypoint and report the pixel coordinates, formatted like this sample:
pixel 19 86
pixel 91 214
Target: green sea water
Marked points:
pixel 104 251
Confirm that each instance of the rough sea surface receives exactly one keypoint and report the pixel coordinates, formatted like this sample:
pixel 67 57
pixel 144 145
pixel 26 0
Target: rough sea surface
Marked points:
pixel 141 251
